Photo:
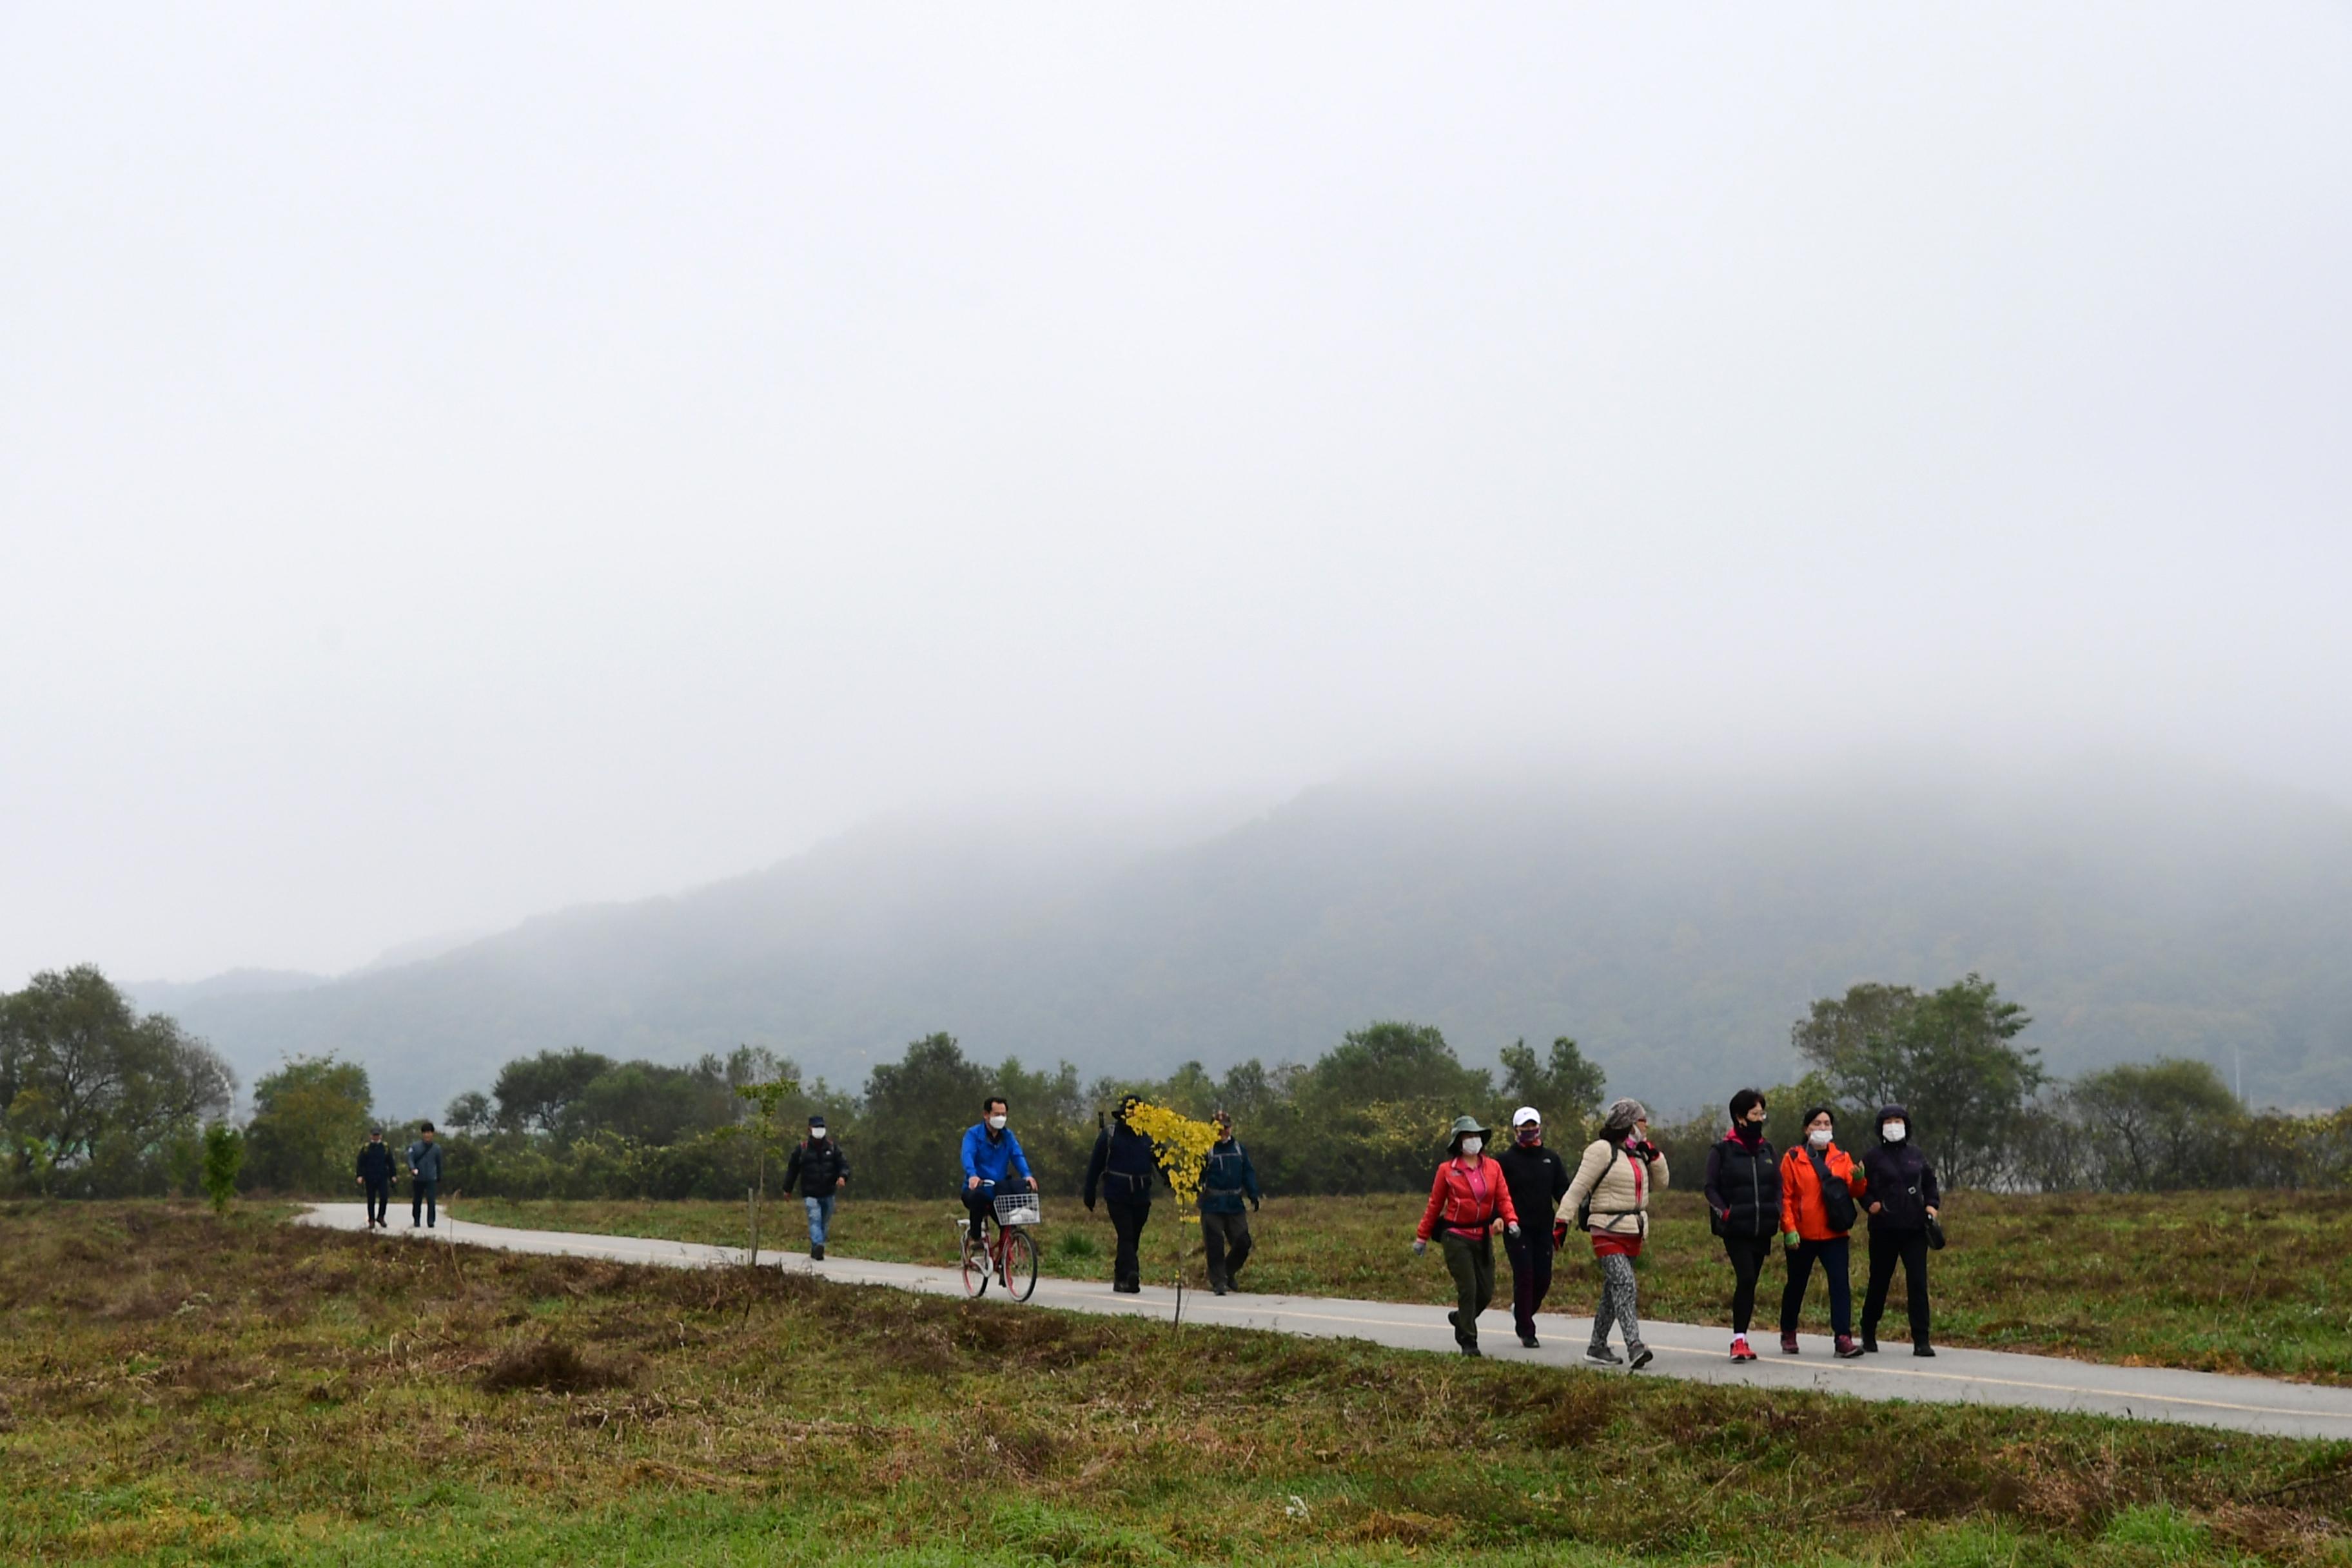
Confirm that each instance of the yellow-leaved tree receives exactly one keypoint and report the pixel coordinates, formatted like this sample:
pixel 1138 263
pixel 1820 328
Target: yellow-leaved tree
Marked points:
pixel 1180 1147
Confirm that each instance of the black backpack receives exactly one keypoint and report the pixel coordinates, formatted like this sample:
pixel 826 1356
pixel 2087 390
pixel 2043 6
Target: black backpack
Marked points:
pixel 1584 1209
pixel 1837 1199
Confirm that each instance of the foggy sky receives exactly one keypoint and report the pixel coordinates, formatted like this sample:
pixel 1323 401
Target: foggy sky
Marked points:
pixel 456 461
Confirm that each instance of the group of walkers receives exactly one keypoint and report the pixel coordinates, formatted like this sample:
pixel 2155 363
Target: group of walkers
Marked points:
pixel 1807 1199
pixel 377 1173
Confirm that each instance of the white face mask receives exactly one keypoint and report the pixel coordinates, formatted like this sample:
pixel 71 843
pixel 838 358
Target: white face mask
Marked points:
pixel 1818 1139
pixel 1893 1131
pixel 996 1124
pixel 1472 1145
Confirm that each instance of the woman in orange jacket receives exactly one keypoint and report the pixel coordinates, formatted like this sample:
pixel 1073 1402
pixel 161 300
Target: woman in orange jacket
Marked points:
pixel 1468 1201
pixel 1818 1183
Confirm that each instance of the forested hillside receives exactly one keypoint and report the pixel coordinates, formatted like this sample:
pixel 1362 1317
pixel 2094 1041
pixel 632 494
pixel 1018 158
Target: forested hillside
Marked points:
pixel 1676 926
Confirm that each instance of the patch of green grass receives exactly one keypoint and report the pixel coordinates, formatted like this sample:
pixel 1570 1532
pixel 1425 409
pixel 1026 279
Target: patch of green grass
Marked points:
pixel 2247 1282
pixel 179 1388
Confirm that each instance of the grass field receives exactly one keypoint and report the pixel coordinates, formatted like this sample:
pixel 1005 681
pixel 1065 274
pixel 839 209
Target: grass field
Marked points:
pixel 178 1388
pixel 2256 1282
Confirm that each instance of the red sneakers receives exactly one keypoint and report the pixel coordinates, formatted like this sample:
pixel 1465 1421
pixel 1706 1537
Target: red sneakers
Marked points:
pixel 1739 1350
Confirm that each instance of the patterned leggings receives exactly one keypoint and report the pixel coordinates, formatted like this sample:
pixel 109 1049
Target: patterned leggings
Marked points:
pixel 1617 1301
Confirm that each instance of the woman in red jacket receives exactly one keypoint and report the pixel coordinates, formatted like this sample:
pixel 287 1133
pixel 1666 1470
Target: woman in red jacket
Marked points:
pixel 1818 1183
pixel 1467 1203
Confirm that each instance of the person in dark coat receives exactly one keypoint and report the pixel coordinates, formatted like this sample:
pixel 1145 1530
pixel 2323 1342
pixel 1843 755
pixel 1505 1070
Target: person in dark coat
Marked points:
pixel 1226 1178
pixel 1122 1173
pixel 424 1178
pixel 376 1173
pixel 822 1170
pixel 1743 1206
pixel 1538 1180
pixel 1903 1199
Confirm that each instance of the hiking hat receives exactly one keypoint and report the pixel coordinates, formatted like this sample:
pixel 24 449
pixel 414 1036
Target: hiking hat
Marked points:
pixel 817 1123
pixel 1525 1114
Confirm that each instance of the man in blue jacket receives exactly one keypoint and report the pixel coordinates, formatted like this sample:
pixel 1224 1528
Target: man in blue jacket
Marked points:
pixel 1226 1178
pixel 990 1156
pixel 424 1178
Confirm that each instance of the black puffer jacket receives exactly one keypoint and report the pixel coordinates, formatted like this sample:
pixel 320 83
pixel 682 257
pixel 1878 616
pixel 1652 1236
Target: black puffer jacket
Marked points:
pixel 1902 1181
pixel 1122 1168
pixel 1743 1187
pixel 819 1168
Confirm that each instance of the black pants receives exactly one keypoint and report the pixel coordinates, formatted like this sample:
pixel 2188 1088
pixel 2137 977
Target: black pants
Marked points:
pixel 1833 1255
pixel 1226 1239
pixel 1127 1219
pixel 1746 1254
pixel 1889 1248
pixel 379 1199
pixel 424 1202
pixel 979 1203
pixel 1531 1253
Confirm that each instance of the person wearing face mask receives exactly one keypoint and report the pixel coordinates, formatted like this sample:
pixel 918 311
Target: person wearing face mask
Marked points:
pixel 1123 1171
pixel 992 1160
pixel 1610 1197
pixel 1226 1178
pixel 1903 1199
pixel 1819 1185
pixel 1538 1179
pixel 1468 1201
pixel 822 1170
pixel 1743 1207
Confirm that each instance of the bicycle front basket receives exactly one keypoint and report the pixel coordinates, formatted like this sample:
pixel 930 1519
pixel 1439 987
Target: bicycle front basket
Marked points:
pixel 1019 1208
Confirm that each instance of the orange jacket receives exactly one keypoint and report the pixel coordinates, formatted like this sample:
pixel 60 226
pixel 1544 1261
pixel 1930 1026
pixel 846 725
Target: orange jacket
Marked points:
pixel 1801 1209
pixel 1453 1198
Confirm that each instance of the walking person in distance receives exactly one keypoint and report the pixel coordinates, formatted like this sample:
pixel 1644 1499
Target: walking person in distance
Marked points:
pixel 1743 1207
pixel 1468 1201
pixel 1123 1171
pixel 424 1178
pixel 1538 1180
pixel 1818 1184
pixel 1610 1197
pixel 1902 1200
pixel 375 1174
pixel 1226 1178
pixel 820 1168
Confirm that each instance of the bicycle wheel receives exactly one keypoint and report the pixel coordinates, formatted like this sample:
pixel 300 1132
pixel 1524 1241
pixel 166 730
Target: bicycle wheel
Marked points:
pixel 1020 1264
pixel 975 1265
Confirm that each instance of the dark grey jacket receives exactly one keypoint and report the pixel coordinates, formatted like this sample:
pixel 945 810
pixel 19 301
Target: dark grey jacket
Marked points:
pixel 424 1161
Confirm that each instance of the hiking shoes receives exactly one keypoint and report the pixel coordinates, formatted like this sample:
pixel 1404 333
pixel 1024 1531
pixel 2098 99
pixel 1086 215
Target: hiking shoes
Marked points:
pixel 1530 1341
pixel 1870 1344
pixel 1602 1355
pixel 1923 1348
pixel 1642 1358
pixel 1788 1344
pixel 1846 1349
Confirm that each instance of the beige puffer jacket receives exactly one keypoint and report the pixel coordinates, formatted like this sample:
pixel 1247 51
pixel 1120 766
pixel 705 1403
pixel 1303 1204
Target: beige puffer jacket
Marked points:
pixel 1620 1188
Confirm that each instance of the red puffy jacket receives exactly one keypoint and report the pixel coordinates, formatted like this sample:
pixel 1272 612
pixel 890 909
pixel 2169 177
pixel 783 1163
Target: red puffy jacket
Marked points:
pixel 1467 1198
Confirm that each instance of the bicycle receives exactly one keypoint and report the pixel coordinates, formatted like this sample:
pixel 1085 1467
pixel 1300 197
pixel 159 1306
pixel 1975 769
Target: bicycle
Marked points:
pixel 1012 1258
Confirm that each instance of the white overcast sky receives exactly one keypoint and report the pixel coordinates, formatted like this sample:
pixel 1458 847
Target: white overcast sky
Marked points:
pixel 460 460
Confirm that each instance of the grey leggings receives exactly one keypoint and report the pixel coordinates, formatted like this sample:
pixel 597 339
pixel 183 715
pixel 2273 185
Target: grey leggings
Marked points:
pixel 1617 1301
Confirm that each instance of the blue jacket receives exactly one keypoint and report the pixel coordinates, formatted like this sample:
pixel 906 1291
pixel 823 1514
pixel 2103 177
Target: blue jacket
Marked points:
pixel 424 1161
pixel 990 1159
pixel 1226 1176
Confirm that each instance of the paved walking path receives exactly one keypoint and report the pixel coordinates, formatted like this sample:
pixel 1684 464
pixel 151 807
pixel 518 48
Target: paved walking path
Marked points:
pixel 1684 1351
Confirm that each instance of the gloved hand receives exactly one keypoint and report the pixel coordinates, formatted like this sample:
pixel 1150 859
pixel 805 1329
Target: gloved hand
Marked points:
pixel 1647 1150
pixel 1090 1206
pixel 1559 1234
pixel 1419 1246
pixel 1790 1239
pixel 1252 1205
pixel 1511 1227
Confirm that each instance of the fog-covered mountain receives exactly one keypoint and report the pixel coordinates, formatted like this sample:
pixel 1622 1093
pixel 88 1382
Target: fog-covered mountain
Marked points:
pixel 1675 927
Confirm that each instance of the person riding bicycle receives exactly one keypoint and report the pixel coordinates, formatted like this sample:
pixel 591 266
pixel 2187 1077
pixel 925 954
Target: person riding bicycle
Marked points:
pixel 990 1156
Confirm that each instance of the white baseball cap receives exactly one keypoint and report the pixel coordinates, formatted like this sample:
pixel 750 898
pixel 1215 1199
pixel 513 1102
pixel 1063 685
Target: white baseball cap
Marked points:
pixel 1525 1114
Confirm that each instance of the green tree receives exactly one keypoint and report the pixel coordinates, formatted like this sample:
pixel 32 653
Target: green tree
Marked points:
pixel 309 1117
pixel 917 1110
pixel 1564 1087
pixel 1948 1056
pixel 648 1102
pixel 533 1092
pixel 1373 1110
pixel 2157 1126
pixel 224 1158
pixel 93 1096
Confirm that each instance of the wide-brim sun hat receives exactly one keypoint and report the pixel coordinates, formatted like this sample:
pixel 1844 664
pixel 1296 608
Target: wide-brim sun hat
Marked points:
pixel 1464 1126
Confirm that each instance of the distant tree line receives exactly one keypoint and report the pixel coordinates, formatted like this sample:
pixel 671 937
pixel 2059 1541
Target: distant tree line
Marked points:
pixel 95 1100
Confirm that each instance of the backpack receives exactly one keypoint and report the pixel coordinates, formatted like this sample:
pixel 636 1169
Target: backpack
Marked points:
pixel 1584 1209
pixel 1837 1199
